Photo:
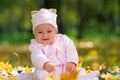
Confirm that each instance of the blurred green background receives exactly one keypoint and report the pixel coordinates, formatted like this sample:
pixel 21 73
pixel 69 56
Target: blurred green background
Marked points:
pixel 94 26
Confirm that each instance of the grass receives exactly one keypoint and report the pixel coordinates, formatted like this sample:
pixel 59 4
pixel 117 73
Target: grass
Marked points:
pixel 16 54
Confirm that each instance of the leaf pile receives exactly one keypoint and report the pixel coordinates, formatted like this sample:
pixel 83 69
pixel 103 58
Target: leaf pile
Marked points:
pixel 7 72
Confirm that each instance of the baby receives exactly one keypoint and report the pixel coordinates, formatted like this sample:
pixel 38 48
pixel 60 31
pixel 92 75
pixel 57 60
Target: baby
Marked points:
pixel 51 53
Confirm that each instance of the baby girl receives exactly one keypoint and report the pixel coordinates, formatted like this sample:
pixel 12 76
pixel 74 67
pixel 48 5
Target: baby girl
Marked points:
pixel 52 52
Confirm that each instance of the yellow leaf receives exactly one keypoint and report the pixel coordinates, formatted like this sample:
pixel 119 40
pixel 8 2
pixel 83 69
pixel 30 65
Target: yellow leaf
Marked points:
pixel 1 77
pixel 51 77
pixel 81 61
pixel 12 77
pixel 103 75
pixel 95 66
pixel 108 76
pixel 71 76
pixel 88 69
pixel 28 70
pixel 6 66
pixel 93 55
pixel 64 76
pixel 102 66
pixel 80 64
pixel 74 74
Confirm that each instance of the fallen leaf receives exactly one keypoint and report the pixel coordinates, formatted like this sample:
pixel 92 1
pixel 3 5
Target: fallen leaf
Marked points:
pixel 51 77
pixel 72 76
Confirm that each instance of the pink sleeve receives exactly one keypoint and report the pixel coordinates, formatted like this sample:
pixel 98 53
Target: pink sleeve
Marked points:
pixel 37 56
pixel 71 52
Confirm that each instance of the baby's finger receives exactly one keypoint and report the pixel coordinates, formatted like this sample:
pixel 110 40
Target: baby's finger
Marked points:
pixel 72 69
pixel 51 68
pixel 68 68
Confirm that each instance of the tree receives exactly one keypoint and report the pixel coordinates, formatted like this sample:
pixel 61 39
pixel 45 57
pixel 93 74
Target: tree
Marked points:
pixel 81 15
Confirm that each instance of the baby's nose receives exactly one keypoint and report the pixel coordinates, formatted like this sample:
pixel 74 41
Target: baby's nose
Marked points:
pixel 45 34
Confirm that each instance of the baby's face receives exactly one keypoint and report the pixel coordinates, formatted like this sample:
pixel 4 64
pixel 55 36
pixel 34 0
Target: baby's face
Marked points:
pixel 45 34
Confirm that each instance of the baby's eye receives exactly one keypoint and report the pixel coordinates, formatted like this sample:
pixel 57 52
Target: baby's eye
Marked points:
pixel 39 32
pixel 49 31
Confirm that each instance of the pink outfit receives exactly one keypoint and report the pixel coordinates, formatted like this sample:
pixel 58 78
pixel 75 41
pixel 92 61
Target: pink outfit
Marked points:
pixel 58 53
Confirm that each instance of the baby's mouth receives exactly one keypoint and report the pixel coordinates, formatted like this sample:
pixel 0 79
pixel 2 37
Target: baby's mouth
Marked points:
pixel 45 39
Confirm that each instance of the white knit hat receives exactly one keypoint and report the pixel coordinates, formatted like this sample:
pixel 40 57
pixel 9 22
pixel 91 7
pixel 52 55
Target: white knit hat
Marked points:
pixel 44 16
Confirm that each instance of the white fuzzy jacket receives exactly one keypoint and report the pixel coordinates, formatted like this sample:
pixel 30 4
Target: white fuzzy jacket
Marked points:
pixel 58 53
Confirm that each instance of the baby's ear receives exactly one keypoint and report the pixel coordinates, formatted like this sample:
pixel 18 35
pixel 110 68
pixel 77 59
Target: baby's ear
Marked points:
pixel 33 13
pixel 53 10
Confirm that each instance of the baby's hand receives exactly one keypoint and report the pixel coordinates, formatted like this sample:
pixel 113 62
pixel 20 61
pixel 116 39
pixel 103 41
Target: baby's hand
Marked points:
pixel 48 67
pixel 70 66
